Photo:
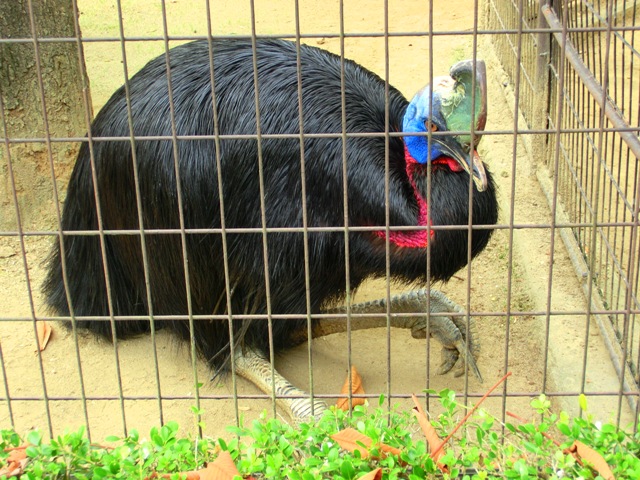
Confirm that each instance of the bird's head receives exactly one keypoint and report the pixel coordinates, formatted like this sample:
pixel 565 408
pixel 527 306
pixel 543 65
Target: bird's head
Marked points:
pixel 446 106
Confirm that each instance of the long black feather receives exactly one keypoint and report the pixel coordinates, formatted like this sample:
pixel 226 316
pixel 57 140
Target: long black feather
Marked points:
pixel 278 100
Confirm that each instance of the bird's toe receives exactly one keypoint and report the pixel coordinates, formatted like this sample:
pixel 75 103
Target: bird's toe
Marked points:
pixel 449 359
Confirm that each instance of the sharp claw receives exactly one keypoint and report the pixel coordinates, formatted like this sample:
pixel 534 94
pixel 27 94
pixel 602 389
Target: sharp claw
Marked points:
pixel 459 368
pixel 419 331
pixel 470 363
pixel 474 368
pixel 449 359
pixel 443 370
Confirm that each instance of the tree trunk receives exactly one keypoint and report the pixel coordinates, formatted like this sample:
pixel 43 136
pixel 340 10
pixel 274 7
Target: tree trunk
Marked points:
pixel 63 79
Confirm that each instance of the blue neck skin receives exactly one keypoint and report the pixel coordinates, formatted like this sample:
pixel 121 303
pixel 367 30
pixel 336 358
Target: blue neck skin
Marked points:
pixel 414 121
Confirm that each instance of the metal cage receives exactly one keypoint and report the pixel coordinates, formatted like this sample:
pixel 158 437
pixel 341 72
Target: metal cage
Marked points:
pixel 564 148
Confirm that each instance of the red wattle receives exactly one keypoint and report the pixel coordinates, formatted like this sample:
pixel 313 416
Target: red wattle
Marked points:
pixel 453 164
pixel 419 238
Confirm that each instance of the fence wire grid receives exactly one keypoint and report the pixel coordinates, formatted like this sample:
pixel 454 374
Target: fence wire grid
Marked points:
pixel 554 297
pixel 581 84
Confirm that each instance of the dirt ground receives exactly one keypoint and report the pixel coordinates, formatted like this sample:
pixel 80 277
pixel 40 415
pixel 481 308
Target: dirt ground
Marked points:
pixel 520 345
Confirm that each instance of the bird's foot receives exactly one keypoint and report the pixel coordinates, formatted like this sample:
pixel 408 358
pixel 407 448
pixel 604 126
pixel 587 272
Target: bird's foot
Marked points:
pixel 460 349
pixel 408 310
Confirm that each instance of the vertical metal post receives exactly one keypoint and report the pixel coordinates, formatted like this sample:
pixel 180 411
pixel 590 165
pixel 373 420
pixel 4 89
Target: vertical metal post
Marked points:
pixel 542 103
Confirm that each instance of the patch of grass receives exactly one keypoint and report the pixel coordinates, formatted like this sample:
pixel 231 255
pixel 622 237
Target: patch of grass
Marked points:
pixel 270 448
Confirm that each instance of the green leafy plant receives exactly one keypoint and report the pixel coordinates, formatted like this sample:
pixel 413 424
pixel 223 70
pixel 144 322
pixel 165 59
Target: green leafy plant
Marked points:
pixel 270 448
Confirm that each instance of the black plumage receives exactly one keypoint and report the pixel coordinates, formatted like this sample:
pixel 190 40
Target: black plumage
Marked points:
pixel 278 102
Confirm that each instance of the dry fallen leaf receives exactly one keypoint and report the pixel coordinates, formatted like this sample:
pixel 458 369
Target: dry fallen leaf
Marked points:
pixel 352 440
pixel 372 475
pixel 222 468
pixel 16 462
pixel 188 475
pixel 44 333
pixel 356 388
pixel 593 458
pixel 433 439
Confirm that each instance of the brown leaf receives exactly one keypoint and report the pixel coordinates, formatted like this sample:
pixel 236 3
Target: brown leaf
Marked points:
pixel 356 388
pixel 189 475
pixel 433 439
pixel 222 468
pixel 352 440
pixel 192 476
pixel 16 462
pixel 372 475
pixel 589 455
pixel 44 333
pixel 349 439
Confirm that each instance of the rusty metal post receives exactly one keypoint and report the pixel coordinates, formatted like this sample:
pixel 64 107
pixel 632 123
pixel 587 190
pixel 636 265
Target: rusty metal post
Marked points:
pixel 542 101
pixel 618 122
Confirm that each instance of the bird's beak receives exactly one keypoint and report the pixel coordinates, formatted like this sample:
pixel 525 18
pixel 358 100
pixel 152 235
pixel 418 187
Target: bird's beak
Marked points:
pixel 470 161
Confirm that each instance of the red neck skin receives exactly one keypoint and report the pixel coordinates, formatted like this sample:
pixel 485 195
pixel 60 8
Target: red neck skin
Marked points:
pixel 418 238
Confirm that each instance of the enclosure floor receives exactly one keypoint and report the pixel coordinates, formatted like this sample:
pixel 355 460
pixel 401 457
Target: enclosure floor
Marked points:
pixel 487 280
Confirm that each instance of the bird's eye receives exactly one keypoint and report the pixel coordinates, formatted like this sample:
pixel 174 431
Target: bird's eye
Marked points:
pixel 431 126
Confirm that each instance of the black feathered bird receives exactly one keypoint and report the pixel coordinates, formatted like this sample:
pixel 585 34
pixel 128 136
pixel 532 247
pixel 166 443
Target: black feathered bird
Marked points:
pixel 410 158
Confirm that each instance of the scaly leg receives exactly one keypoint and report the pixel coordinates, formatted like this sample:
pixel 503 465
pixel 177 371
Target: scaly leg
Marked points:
pixel 459 350
pixel 451 331
pixel 257 369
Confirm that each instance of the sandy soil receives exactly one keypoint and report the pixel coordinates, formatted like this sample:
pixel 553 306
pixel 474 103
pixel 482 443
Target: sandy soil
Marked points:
pixel 519 348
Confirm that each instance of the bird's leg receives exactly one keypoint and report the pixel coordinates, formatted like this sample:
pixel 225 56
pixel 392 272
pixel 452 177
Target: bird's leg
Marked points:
pixel 459 348
pixel 297 403
pixel 452 331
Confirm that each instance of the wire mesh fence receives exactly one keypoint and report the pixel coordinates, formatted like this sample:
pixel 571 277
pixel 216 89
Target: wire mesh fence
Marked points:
pixel 581 85
pixel 519 300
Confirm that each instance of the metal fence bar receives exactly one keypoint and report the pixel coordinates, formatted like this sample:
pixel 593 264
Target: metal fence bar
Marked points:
pixel 14 194
pixel 328 34
pixel 142 232
pixel 88 110
pixel 180 203
pixel 387 244
pixel 514 149
pixel 472 127
pixel 596 96
pixel 228 289
pixel 596 195
pixel 430 134
pixel 518 226
pixel 345 199
pixel 263 396
pixel 263 215
pixel 527 131
pixel 305 219
pixel 593 86
pixel 559 113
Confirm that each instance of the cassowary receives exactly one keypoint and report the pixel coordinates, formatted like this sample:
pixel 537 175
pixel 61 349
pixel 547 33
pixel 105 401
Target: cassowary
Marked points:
pixel 148 185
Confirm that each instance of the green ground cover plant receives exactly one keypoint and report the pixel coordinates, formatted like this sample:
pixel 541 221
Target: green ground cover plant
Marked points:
pixel 485 447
